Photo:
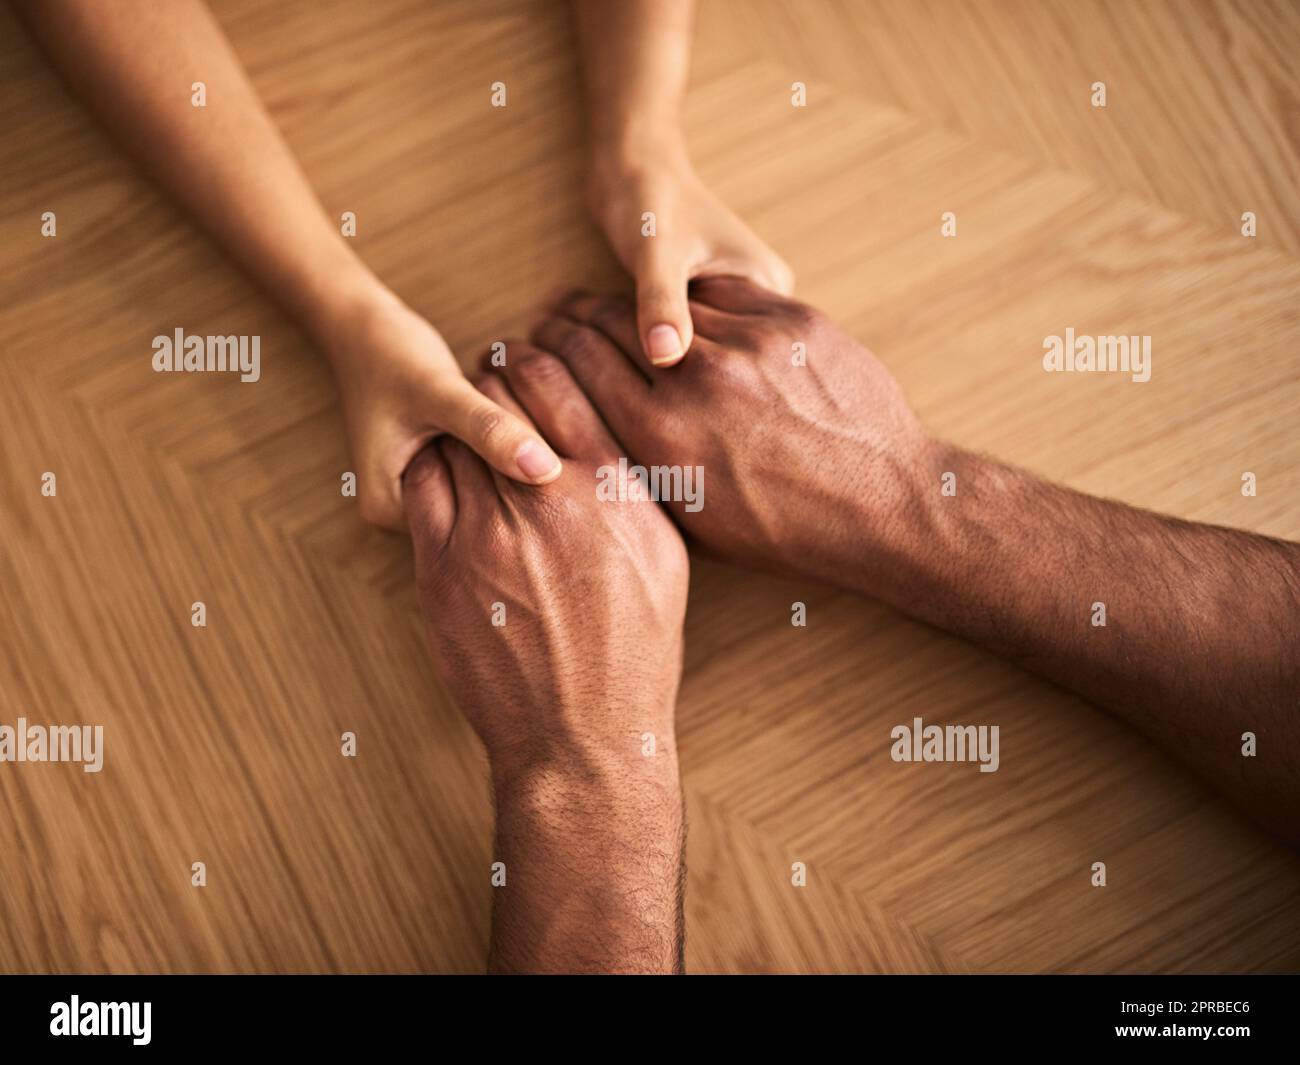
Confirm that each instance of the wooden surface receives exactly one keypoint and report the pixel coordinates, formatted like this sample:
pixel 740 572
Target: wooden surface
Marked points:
pixel 222 743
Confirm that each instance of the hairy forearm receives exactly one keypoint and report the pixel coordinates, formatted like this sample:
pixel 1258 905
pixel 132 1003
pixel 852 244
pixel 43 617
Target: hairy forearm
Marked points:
pixel 1201 634
pixel 635 60
pixel 593 866
pixel 133 64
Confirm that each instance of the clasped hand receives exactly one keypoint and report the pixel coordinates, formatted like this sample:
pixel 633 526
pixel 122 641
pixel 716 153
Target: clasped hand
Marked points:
pixel 557 614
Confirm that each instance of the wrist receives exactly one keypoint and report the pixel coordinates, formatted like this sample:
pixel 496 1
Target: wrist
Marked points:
pixel 633 154
pixel 352 303
pixel 597 848
pixel 635 141
pixel 627 784
pixel 949 527
pixel 896 523
pixel 617 765
pixel 360 310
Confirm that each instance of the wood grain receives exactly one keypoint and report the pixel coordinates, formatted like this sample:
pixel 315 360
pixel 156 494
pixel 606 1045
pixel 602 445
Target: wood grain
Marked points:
pixel 222 743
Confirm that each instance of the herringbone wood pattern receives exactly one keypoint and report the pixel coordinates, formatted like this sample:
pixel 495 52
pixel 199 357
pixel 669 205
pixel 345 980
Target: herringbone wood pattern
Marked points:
pixel 222 743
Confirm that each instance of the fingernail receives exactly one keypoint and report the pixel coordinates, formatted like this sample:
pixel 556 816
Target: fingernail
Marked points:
pixel 663 344
pixel 537 462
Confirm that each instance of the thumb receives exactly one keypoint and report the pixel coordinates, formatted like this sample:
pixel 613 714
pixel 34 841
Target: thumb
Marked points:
pixel 500 438
pixel 663 315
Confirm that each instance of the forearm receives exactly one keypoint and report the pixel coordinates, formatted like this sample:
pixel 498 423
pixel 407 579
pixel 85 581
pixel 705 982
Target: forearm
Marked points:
pixel 1201 634
pixel 593 865
pixel 133 64
pixel 636 61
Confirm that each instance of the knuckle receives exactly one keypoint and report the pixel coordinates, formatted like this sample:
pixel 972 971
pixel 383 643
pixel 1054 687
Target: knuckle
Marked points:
pixel 560 513
pixel 773 336
pixel 612 314
pixel 735 373
pixel 559 336
pixel 540 368
pixel 487 423
pixel 802 316
pixel 581 342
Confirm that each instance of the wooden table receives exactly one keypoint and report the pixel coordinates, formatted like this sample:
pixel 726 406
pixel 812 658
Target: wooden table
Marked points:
pixel 222 743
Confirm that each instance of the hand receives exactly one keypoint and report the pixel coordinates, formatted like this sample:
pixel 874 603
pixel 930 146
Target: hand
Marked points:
pixel 807 467
pixel 696 235
pixel 557 620
pixel 401 386
pixel 556 617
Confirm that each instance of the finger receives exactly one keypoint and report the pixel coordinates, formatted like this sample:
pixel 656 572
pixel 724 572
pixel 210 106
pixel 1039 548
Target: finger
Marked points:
pixel 502 439
pixel 606 375
pixel 470 476
pixel 712 324
pixel 558 405
pixel 614 316
pixel 735 295
pixel 662 316
pixel 429 499
pixel 497 389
